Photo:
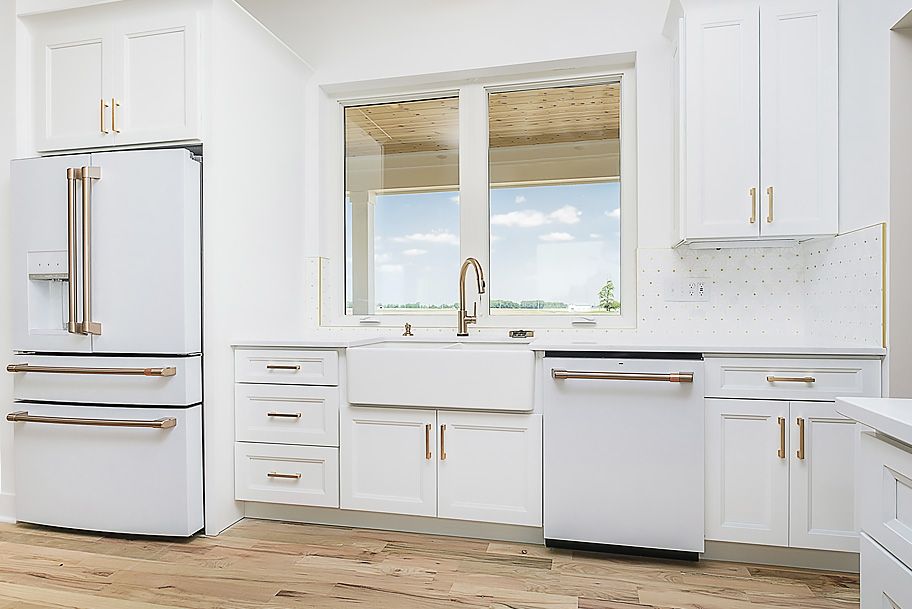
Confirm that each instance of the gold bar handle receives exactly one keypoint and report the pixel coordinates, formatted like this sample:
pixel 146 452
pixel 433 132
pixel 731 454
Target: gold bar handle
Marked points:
pixel 114 106
pixel 294 367
pixel 101 111
pixel 443 442
pixel 73 175
pixel 800 453
pixel 166 371
pixel 753 196
pixel 672 377
pixel 87 326
pixel 284 415
pixel 427 442
pixel 790 379
pixel 284 476
pixel 769 208
pixel 781 451
pixel 24 417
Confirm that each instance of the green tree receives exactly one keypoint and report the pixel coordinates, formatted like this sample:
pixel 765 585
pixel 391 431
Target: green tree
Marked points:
pixel 606 297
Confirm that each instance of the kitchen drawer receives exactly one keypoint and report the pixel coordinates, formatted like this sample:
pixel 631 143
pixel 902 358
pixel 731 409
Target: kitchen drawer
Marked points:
pixel 296 475
pixel 792 379
pixel 287 414
pixel 111 477
pixel 286 367
pixel 109 380
pixel 885 493
pixel 886 583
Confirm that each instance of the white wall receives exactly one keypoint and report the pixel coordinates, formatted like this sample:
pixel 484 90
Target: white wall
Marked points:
pixel 7 151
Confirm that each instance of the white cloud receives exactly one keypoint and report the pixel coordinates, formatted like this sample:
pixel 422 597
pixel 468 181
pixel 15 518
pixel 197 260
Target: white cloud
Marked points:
pixel 390 268
pixel 432 237
pixel 381 258
pixel 594 236
pixel 556 237
pixel 519 200
pixel 614 213
pixel 566 215
pixel 524 219
pixel 414 252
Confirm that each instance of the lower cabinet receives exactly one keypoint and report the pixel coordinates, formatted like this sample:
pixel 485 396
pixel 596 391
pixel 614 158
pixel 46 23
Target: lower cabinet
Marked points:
pixel 780 473
pixel 283 473
pixel 886 583
pixel 462 465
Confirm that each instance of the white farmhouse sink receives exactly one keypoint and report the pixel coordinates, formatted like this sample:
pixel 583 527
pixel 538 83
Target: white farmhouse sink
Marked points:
pixel 463 375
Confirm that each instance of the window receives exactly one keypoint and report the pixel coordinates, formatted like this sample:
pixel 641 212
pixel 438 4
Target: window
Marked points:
pixel 534 192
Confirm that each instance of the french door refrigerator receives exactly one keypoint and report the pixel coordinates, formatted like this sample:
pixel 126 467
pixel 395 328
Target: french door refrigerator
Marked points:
pixel 107 366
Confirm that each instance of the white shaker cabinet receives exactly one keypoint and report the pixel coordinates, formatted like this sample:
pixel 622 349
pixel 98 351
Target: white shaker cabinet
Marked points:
pixel 115 75
pixel 747 477
pixel 389 461
pixel 760 122
pixel 490 467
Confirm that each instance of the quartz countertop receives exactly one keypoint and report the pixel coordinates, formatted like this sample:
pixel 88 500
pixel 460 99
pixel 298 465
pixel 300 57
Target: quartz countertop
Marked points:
pixel 889 416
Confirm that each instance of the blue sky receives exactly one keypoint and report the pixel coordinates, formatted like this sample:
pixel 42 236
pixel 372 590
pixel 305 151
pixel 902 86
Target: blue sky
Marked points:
pixel 548 242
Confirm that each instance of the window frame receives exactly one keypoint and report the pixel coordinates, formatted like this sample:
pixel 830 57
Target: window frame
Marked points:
pixel 474 222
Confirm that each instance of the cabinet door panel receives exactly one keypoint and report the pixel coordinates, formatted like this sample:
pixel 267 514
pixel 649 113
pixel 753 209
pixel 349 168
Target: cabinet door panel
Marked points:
pixel 822 480
pixel 799 115
pixel 388 461
pixel 492 470
pixel 71 84
pixel 747 481
pixel 156 80
pixel 722 119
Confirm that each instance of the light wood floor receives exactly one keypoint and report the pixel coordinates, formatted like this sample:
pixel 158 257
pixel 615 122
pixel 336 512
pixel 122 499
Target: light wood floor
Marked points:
pixel 267 564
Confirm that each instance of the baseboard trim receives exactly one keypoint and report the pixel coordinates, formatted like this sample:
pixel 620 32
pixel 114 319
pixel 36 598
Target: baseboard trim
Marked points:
pixel 396 522
pixel 822 560
pixel 7 507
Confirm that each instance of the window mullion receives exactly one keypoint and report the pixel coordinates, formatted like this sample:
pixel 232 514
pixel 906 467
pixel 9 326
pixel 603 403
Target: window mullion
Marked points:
pixel 474 233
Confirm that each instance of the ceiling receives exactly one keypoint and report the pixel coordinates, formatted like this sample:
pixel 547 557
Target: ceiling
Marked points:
pixel 516 118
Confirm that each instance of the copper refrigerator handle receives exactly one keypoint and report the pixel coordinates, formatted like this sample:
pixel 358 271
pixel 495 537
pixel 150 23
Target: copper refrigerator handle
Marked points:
pixel 165 371
pixel 87 326
pixel 23 416
pixel 672 377
pixel 73 175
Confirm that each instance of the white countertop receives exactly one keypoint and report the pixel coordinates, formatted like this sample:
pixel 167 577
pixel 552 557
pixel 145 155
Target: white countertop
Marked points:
pixel 344 340
pixel 889 416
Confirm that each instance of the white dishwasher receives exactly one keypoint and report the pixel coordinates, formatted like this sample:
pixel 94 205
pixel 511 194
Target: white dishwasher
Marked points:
pixel 624 452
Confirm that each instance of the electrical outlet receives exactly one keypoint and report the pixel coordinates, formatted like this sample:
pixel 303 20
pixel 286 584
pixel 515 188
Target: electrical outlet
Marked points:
pixel 689 289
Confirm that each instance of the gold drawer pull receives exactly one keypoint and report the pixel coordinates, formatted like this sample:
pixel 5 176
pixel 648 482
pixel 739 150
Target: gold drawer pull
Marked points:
pixel 283 476
pixel 427 442
pixel 781 451
pixel 769 209
pixel 294 367
pixel 800 453
pixel 166 371
pixel 673 377
pixel 284 415
pixel 102 107
pixel 114 106
pixel 791 379
pixel 443 443
pixel 24 417
pixel 753 195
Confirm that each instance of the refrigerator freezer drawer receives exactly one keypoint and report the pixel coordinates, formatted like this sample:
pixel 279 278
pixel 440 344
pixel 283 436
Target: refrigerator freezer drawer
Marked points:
pixel 99 469
pixel 142 381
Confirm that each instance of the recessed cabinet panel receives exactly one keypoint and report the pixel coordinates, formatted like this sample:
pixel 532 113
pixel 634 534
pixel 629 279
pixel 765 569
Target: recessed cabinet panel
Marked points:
pixel 799 116
pixel 885 494
pixel 886 583
pixel 295 475
pixel 747 478
pixel 287 414
pixel 721 116
pixel 822 499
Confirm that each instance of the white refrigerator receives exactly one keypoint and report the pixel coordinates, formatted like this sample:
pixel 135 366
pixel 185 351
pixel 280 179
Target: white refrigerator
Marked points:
pixel 107 341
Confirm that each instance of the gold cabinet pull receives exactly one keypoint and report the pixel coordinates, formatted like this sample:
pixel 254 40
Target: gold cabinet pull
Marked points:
pixel 103 105
pixel 283 476
pixel 294 367
pixel 23 416
pixel 443 442
pixel 87 326
pixel 800 453
pixel 166 371
pixel 790 379
pixel 72 178
pixel 284 415
pixel 769 208
pixel 672 377
pixel 427 442
pixel 753 195
pixel 781 451
pixel 114 106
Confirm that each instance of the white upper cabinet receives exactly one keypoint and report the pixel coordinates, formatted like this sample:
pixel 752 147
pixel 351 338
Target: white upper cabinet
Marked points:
pixel 115 75
pixel 760 121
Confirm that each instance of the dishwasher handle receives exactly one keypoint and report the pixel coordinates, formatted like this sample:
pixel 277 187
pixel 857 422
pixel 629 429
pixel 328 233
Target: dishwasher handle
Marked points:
pixel 666 377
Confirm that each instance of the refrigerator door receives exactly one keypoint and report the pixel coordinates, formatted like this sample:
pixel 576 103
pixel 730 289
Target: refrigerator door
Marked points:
pixel 41 260
pixel 145 252
pixel 116 469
